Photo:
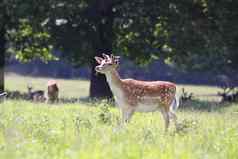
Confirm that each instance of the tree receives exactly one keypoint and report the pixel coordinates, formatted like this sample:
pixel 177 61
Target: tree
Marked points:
pixel 187 33
pixel 2 47
pixel 193 34
pixel 21 31
pixel 201 34
pixel 84 29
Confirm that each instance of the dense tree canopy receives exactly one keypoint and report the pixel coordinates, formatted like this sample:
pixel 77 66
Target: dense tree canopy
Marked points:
pixel 194 34
pixel 203 34
pixel 21 33
pixel 190 33
pixel 22 24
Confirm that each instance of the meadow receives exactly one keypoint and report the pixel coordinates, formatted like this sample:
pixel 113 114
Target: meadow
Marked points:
pixel 68 87
pixel 91 130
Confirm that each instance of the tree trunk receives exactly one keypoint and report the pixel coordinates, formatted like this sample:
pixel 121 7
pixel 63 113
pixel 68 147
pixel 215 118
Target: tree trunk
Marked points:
pixel 98 85
pixel 103 44
pixel 2 57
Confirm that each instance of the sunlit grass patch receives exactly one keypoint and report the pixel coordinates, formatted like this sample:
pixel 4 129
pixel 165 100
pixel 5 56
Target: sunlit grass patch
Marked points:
pixel 33 130
pixel 70 88
pixel 78 88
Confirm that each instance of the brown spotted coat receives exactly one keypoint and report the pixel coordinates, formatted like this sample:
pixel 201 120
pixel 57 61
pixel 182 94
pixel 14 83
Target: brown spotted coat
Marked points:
pixel 135 91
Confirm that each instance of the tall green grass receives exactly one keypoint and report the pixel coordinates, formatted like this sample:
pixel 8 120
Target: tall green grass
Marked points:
pixel 72 131
pixel 28 130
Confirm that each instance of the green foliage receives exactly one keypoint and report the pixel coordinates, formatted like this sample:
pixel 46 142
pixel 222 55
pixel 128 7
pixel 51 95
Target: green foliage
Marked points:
pixel 140 30
pixel 21 23
pixel 28 43
pixel 201 34
pixel 196 34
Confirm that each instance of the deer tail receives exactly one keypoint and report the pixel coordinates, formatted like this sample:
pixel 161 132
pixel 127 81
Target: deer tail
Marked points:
pixel 175 103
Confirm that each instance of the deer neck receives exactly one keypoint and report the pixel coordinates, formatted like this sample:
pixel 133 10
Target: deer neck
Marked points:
pixel 115 83
pixel 29 90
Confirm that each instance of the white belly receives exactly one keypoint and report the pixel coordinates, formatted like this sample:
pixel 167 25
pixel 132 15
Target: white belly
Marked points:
pixel 142 107
pixel 146 105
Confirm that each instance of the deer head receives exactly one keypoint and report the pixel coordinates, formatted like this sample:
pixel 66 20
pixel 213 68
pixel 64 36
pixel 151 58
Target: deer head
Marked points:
pixel 29 87
pixel 107 63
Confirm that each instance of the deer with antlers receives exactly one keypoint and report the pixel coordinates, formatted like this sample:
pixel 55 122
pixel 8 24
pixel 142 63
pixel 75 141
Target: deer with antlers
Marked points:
pixel 138 96
pixel 37 95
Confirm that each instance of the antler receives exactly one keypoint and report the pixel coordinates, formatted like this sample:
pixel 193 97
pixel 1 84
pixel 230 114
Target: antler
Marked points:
pixel 107 57
pixel 111 58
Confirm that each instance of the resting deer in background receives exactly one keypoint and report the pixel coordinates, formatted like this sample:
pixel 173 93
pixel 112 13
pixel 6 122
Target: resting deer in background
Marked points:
pixel 37 95
pixel 2 96
pixel 142 96
pixel 52 92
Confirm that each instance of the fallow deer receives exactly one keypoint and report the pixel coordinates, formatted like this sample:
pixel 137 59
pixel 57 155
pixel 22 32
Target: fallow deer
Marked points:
pixel 52 92
pixel 37 95
pixel 142 96
pixel 2 96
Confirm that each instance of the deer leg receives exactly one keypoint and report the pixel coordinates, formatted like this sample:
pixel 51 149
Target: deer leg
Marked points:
pixel 126 115
pixel 166 118
pixel 174 118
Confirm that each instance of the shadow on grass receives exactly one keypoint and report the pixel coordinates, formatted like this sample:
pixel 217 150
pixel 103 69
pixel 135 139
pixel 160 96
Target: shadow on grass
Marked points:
pixel 193 104
pixel 203 105
pixel 17 95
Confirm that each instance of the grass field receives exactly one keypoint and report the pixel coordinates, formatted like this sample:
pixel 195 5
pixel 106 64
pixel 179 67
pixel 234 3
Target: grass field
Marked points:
pixel 69 131
pixel 68 88
pixel 80 88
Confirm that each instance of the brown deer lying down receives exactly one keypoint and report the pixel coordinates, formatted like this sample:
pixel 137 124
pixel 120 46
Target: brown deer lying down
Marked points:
pixel 37 95
pixel 52 92
pixel 142 96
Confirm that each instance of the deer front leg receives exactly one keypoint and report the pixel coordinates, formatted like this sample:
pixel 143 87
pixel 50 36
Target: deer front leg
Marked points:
pixel 127 114
pixel 165 115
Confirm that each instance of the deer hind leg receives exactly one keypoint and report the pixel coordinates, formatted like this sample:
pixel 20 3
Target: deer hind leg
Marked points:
pixel 173 116
pixel 166 117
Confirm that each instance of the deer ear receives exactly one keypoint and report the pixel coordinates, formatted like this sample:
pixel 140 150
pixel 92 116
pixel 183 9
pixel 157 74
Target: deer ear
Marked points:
pixel 98 59
pixel 117 59
pixel 112 56
pixel 29 85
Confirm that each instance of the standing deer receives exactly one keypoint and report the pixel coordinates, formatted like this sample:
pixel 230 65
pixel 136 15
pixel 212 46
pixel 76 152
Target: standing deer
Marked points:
pixel 37 95
pixel 52 92
pixel 141 96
